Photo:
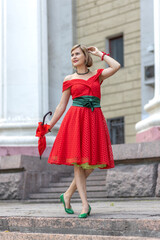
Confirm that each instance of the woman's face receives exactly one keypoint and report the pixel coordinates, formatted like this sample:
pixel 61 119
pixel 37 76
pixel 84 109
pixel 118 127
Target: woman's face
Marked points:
pixel 77 57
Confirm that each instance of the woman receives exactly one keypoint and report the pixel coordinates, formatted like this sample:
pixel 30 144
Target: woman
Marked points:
pixel 83 140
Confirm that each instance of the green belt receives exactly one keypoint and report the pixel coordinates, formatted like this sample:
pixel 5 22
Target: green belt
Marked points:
pixel 87 101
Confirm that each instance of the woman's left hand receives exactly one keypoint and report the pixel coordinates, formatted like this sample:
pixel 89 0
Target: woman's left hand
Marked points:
pixel 94 51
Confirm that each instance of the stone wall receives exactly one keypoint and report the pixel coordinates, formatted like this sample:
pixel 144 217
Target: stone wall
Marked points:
pixel 133 180
pixel 136 173
pixel 21 175
pixel 121 93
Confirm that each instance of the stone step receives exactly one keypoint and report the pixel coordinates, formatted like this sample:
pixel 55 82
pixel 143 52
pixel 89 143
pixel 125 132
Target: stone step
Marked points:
pixel 89 183
pixel 63 189
pixel 56 200
pixel 90 226
pixel 91 177
pixel 95 173
pixel 95 187
pixel 46 236
pixel 75 195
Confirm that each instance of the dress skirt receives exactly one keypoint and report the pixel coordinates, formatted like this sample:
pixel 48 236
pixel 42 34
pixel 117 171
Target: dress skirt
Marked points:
pixel 83 139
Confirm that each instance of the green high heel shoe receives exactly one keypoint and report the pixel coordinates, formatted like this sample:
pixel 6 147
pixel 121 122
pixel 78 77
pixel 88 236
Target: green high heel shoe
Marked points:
pixel 68 210
pixel 85 215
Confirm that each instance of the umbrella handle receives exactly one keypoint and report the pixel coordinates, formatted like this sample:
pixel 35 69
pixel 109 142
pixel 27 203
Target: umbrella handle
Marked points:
pixel 45 116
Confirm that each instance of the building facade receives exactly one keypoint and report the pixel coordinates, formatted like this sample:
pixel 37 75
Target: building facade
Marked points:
pixel 36 38
pixel 97 23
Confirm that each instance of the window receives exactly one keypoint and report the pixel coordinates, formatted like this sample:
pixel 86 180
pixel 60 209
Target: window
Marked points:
pixel 149 75
pixel 115 48
pixel 116 130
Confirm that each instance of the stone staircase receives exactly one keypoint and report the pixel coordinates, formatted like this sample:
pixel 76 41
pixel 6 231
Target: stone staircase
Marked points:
pixel 45 236
pixel 141 163
pixel 44 228
pixel 96 189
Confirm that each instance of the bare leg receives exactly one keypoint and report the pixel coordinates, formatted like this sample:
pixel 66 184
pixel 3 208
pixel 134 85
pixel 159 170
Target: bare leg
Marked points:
pixel 80 178
pixel 72 188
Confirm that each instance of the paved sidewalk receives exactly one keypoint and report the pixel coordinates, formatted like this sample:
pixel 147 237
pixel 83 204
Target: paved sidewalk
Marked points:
pixel 109 209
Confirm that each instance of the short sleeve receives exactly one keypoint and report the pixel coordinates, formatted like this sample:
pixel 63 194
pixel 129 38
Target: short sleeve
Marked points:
pixel 99 71
pixel 66 84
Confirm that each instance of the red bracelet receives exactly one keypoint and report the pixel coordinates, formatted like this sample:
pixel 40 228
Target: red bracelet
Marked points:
pixel 104 54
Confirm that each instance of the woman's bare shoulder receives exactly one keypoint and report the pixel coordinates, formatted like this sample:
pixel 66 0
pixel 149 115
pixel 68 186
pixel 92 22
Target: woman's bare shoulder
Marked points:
pixel 74 76
pixel 68 77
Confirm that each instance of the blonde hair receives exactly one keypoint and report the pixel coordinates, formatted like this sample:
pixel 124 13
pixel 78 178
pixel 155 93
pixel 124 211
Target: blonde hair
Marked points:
pixel 89 61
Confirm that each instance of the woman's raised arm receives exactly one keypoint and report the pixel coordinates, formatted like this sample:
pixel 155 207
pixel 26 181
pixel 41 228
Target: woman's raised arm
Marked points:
pixel 114 65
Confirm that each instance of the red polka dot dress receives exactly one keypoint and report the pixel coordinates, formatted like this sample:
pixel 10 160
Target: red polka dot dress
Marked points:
pixel 83 137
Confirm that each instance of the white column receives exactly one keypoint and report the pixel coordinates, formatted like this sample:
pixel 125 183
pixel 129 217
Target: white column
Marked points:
pixel 156 99
pixel 153 107
pixel 61 36
pixel 24 70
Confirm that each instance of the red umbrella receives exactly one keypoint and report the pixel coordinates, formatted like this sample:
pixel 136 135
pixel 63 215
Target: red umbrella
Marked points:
pixel 41 130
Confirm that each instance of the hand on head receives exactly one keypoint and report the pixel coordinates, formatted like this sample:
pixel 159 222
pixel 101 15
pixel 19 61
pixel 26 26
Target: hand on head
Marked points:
pixel 93 50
